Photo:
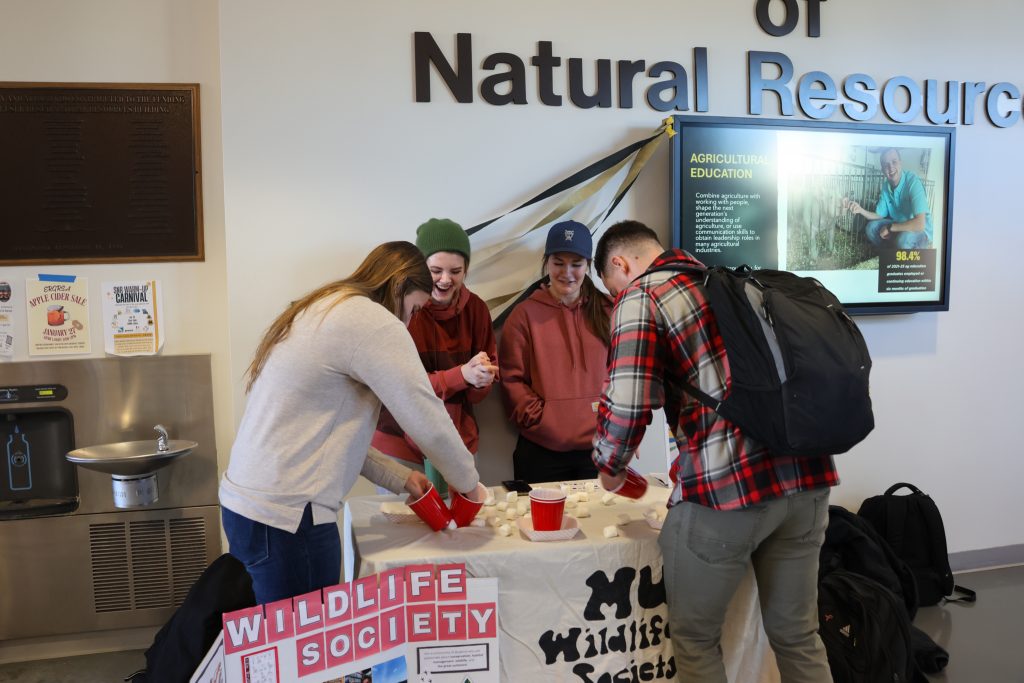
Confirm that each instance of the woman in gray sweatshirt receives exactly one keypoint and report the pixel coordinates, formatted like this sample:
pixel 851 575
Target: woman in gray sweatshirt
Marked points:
pixel 315 388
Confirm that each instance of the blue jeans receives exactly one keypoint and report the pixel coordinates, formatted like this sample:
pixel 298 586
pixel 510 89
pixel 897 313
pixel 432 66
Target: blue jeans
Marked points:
pixel 707 552
pixel 896 240
pixel 283 564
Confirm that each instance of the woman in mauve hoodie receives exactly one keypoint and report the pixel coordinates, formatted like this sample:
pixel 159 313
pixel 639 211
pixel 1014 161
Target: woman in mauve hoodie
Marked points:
pixel 554 347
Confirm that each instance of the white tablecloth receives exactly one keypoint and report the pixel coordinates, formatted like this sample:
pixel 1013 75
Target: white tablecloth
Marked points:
pixel 552 627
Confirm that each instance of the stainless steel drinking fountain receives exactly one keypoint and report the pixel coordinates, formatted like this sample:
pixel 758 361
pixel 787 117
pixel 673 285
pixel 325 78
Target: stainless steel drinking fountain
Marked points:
pixel 73 561
pixel 132 465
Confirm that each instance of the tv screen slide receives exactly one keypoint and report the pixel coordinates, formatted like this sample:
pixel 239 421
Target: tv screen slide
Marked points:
pixel 863 208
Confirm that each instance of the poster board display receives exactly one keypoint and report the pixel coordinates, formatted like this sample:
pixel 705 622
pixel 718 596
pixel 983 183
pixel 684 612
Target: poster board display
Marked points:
pixel 865 209
pixel 415 623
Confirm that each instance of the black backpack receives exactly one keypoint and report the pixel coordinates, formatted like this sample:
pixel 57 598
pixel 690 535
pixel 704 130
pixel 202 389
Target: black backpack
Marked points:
pixel 912 526
pixel 798 361
pixel 179 647
pixel 865 629
pixel 852 544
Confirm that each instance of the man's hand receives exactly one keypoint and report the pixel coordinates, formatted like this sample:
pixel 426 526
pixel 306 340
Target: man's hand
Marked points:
pixel 417 484
pixel 479 371
pixel 885 233
pixel 853 206
pixel 609 482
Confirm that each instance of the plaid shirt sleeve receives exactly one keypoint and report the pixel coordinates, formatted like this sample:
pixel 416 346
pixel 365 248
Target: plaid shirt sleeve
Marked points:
pixel 634 387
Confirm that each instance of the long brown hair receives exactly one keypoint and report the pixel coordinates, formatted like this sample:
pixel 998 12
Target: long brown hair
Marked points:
pixel 385 276
pixel 595 312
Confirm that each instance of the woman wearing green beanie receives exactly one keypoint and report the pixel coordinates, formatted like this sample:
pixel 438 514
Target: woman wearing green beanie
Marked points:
pixel 455 340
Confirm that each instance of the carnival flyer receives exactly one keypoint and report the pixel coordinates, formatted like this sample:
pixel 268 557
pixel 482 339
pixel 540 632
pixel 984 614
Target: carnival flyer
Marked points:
pixel 58 315
pixel 131 318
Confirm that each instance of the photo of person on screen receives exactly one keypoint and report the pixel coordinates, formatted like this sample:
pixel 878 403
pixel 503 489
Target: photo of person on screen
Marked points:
pixel 901 219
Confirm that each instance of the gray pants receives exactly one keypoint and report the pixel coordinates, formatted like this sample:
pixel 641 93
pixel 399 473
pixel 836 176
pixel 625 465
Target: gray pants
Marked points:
pixel 706 554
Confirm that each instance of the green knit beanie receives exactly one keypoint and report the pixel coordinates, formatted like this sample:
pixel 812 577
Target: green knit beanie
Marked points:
pixel 442 234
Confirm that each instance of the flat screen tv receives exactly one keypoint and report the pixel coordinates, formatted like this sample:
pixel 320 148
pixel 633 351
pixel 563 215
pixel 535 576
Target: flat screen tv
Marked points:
pixel 863 208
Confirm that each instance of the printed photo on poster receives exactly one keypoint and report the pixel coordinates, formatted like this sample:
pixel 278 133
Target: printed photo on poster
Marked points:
pixel 58 315
pixel 7 332
pixel 131 318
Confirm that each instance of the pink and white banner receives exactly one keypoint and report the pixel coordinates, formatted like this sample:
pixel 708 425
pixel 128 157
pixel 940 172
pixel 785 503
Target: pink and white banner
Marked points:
pixel 416 623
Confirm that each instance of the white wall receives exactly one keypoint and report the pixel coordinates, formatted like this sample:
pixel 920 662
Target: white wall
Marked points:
pixel 152 41
pixel 326 154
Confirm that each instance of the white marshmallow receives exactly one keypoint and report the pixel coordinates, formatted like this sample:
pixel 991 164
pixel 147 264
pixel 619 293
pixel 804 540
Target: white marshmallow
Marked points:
pixel 624 519
pixel 608 499
pixel 582 511
pixel 505 530
pixel 510 513
pixel 583 497
pixel 522 506
pixel 511 497
pixel 611 531
pixel 489 500
pixel 494 521
pixel 570 503
pixel 501 505
pixel 572 498
pixel 478 522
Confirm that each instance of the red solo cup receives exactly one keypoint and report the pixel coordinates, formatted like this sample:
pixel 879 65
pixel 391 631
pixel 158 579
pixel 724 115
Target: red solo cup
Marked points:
pixel 546 506
pixel 633 486
pixel 463 509
pixel 431 509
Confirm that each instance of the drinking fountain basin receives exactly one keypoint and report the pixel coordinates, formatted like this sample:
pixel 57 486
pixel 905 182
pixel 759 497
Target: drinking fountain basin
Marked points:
pixel 132 465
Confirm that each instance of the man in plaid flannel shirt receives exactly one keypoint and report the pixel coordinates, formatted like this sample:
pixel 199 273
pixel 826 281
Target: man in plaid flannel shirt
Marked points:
pixel 735 504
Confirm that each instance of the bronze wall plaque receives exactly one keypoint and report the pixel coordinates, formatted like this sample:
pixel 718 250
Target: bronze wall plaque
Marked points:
pixel 100 173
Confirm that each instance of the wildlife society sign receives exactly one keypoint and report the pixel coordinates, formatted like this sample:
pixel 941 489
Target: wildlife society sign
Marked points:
pixel 416 623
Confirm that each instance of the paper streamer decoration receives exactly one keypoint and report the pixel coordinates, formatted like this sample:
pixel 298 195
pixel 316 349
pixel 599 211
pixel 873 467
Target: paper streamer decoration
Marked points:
pixel 507 250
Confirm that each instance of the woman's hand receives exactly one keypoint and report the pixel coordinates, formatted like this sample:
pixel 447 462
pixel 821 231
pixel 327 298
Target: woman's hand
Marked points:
pixel 477 495
pixel 417 484
pixel 479 371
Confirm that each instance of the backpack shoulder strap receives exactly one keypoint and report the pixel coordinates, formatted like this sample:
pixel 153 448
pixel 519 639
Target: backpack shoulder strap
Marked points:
pixel 968 595
pixel 693 391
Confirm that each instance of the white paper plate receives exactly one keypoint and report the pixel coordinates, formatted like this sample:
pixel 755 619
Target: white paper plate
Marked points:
pixel 397 516
pixel 569 529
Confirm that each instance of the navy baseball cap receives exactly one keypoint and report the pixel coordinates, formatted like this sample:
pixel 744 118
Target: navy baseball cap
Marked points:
pixel 570 236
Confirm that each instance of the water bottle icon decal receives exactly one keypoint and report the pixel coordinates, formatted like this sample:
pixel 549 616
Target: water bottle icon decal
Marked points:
pixel 19 461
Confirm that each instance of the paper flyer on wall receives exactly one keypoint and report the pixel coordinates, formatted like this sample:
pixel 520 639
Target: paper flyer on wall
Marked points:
pixel 58 315
pixel 422 623
pixel 131 318
pixel 7 332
